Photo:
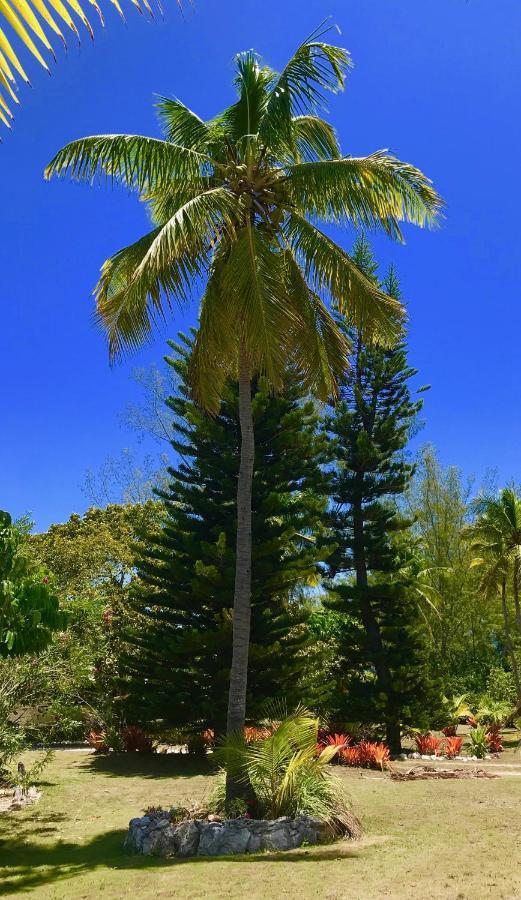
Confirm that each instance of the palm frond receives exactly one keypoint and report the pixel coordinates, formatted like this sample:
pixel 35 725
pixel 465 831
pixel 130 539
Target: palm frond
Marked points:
pixel 160 268
pixel 372 191
pixel 139 162
pixel 318 348
pixel 182 126
pixel 329 268
pixel 28 28
pixel 315 67
pixel 314 138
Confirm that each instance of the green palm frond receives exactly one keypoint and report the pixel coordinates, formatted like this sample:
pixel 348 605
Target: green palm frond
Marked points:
pixel 162 266
pixel 53 18
pixel 373 191
pixel 319 350
pixel 182 126
pixel 315 68
pixel 138 162
pixel 314 138
pixel 330 269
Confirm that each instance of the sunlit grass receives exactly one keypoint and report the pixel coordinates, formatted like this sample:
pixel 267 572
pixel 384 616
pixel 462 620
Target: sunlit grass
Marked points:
pixel 440 839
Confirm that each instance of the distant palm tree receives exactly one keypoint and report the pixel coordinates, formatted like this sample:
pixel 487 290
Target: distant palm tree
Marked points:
pixel 25 24
pixel 235 201
pixel 496 537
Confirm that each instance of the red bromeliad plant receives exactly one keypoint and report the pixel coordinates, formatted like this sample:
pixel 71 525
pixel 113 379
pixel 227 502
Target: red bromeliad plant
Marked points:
pixel 495 743
pixel 427 744
pixel 253 733
pixel 135 740
pixel 337 740
pixel 366 753
pixel 449 730
pixel 96 739
pixel 350 756
pixel 453 746
pixel 381 755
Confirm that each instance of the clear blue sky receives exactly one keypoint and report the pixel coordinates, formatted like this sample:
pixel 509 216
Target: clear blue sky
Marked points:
pixel 438 81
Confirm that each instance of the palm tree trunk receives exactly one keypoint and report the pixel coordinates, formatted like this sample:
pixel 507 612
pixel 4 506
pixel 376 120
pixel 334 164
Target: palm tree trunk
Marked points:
pixel 242 597
pixel 508 639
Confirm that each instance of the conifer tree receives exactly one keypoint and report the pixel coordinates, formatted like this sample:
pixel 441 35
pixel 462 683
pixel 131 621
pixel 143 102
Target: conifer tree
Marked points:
pixel 384 661
pixel 179 651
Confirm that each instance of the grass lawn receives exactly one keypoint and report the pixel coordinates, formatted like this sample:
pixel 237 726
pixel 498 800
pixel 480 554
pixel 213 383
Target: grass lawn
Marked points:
pixel 453 839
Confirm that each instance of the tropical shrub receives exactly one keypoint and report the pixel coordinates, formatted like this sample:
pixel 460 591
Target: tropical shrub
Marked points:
pixel 285 775
pixel 479 745
pixel 493 712
pixel 427 744
pixel 455 710
pixel 453 746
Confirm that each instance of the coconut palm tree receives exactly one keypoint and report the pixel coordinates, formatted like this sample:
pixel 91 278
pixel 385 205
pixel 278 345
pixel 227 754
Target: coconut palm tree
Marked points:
pixel 496 537
pixel 32 30
pixel 235 203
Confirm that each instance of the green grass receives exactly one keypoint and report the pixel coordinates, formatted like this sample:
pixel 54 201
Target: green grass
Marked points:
pixel 452 839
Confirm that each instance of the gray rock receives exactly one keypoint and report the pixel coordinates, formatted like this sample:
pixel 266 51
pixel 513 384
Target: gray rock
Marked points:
pixel 187 838
pixel 224 838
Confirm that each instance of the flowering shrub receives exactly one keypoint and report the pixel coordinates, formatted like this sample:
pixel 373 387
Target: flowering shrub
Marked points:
pixel 427 744
pixel 453 746
pixel 135 740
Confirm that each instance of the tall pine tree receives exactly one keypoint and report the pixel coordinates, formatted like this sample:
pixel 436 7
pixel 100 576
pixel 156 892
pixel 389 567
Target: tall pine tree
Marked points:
pixel 384 660
pixel 179 651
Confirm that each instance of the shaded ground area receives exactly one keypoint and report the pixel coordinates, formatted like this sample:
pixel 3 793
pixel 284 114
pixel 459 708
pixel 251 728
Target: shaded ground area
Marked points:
pixel 450 839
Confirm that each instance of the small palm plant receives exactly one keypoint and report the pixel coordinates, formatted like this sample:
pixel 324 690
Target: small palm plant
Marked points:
pixel 286 775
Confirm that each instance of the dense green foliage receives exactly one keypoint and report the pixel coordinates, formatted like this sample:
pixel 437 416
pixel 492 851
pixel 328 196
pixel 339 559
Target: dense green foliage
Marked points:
pixel 92 561
pixel 180 645
pixel 383 647
pixel 29 607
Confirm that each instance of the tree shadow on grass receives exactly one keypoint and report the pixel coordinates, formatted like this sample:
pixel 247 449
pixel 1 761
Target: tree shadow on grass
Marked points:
pixel 149 765
pixel 28 865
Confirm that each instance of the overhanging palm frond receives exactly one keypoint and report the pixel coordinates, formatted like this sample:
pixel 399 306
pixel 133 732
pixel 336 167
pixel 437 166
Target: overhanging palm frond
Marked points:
pixel 133 159
pixel 372 191
pixel 330 269
pixel 28 29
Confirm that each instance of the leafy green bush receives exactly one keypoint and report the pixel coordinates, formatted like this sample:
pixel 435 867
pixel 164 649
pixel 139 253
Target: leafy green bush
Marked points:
pixel 479 742
pixel 286 775
pixel 501 686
